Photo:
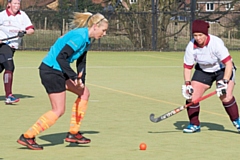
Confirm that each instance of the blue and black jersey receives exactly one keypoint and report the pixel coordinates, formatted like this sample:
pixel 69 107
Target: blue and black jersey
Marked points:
pixel 67 49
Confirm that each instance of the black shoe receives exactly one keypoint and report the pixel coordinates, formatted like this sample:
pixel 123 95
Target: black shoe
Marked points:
pixel 29 142
pixel 77 138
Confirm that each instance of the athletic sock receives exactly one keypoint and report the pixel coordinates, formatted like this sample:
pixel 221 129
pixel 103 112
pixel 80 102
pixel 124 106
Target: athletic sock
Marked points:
pixel 7 79
pixel 193 114
pixel 43 123
pixel 231 108
pixel 78 110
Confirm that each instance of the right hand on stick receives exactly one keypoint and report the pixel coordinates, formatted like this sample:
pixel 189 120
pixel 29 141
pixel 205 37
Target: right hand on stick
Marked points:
pixel 80 83
pixel 187 90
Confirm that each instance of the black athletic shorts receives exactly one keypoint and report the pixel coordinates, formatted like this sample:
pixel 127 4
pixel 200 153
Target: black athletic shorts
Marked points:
pixel 53 80
pixel 207 77
pixel 6 52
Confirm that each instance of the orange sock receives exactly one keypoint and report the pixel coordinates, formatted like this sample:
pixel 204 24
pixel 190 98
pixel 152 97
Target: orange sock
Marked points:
pixel 78 110
pixel 43 123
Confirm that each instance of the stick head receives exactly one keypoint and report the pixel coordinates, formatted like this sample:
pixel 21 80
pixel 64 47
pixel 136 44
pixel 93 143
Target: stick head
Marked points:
pixel 152 118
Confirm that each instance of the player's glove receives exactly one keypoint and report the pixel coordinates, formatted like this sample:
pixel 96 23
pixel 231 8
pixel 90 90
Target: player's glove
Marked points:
pixel 222 87
pixel 21 33
pixel 187 90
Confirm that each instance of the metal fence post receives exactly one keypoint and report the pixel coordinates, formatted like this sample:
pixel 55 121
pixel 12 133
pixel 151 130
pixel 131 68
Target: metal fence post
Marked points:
pixel 193 9
pixel 154 24
pixel 76 5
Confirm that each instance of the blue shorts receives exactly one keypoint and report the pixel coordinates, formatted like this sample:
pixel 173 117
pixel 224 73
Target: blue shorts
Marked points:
pixel 53 80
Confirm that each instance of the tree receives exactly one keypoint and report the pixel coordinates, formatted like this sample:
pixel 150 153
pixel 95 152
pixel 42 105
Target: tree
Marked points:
pixel 88 5
pixel 147 21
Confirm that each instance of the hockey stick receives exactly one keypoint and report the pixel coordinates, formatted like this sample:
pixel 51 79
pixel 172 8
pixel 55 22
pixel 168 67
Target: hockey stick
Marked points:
pixel 5 39
pixel 78 115
pixel 179 109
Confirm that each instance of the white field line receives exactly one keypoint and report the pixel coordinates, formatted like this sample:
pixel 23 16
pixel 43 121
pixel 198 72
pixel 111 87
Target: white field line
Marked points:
pixel 133 67
pixel 111 67
pixel 160 57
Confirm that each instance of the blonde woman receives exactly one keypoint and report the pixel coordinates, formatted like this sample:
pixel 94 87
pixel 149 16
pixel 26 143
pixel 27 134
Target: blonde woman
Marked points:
pixel 57 76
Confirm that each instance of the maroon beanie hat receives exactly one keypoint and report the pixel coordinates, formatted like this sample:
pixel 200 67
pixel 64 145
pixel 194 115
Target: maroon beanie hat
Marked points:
pixel 200 26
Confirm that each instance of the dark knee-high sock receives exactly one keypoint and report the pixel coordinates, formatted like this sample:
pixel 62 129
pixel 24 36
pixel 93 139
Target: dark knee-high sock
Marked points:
pixel 193 113
pixel 7 79
pixel 231 108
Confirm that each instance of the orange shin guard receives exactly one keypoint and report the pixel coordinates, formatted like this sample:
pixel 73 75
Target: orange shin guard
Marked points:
pixel 78 110
pixel 43 123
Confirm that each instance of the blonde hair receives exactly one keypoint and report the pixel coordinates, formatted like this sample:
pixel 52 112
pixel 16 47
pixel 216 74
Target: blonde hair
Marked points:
pixel 87 19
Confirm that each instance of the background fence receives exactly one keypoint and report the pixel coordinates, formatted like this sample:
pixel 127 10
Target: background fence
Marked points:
pixel 123 35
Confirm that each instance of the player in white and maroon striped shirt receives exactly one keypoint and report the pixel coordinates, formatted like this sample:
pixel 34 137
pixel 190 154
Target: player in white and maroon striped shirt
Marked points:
pixel 13 22
pixel 213 63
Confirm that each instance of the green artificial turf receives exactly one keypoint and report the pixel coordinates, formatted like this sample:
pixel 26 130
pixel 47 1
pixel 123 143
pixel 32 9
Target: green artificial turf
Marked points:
pixel 125 87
